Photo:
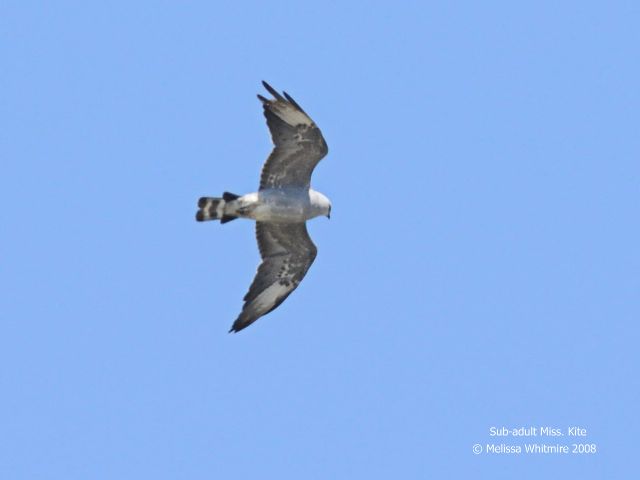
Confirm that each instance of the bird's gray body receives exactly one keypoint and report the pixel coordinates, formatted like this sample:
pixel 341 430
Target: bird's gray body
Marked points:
pixel 281 207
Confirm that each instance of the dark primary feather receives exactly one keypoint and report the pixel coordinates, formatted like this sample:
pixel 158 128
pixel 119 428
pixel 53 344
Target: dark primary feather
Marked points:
pixel 272 90
pixel 287 253
pixel 293 102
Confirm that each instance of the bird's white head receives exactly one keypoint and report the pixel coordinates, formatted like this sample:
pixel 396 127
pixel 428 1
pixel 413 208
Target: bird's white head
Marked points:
pixel 320 203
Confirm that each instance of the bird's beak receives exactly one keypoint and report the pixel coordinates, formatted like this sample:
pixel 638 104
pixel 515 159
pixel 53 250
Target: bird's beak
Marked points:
pixel 329 216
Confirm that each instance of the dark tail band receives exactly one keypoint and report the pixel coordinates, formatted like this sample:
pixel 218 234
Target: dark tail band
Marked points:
pixel 213 208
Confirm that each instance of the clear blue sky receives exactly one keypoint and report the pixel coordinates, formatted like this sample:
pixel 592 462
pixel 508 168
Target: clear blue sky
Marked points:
pixel 481 266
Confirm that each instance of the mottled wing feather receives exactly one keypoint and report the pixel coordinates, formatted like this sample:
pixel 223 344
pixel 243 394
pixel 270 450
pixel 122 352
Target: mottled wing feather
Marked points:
pixel 287 253
pixel 298 143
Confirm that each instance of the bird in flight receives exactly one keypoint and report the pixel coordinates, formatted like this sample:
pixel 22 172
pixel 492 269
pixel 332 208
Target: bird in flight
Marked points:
pixel 280 207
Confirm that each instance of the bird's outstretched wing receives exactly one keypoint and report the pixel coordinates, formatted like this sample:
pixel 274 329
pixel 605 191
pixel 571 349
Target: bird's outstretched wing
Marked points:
pixel 299 144
pixel 287 253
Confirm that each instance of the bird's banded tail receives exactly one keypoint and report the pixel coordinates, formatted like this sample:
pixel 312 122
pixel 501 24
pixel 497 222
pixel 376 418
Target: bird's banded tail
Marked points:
pixel 214 208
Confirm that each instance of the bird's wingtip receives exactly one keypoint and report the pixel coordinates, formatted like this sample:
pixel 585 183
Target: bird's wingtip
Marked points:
pixel 272 91
pixel 236 327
